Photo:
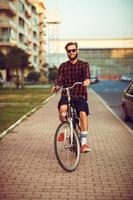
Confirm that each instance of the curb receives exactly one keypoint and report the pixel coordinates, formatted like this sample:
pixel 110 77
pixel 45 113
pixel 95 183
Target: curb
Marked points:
pixel 24 117
pixel 118 118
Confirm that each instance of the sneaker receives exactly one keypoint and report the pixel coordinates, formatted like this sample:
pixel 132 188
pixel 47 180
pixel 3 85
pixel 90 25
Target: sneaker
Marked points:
pixel 85 148
pixel 61 137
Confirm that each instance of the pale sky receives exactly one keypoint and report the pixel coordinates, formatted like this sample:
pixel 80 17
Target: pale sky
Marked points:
pixel 86 19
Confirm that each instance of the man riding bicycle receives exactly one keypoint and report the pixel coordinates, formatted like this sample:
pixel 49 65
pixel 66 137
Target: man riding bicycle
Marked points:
pixel 71 71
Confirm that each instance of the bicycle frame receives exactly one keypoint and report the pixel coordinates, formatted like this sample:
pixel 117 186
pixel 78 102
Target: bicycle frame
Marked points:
pixel 69 110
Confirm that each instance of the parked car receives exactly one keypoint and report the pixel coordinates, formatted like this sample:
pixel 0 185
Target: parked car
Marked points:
pixel 127 102
pixel 94 79
pixel 127 78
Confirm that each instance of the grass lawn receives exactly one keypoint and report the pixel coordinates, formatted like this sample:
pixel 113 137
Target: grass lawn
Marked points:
pixel 15 103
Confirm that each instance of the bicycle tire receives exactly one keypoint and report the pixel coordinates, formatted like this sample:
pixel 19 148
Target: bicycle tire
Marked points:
pixel 67 156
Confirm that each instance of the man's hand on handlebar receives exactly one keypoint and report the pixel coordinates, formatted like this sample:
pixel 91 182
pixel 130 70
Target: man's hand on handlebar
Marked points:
pixel 55 89
pixel 86 82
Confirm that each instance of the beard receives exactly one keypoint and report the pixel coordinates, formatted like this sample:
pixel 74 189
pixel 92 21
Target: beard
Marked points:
pixel 73 57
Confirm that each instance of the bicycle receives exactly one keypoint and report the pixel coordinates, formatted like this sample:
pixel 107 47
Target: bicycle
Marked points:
pixel 67 151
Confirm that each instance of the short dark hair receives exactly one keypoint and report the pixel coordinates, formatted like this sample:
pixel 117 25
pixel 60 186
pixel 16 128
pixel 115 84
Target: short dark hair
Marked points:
pixel 71 43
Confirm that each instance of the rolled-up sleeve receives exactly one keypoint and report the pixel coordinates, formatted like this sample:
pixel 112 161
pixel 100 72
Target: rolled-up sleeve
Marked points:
pixel 86 71
pixel 60 76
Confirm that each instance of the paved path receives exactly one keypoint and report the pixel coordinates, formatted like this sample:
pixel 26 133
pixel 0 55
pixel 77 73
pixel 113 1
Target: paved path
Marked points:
pixel 29 170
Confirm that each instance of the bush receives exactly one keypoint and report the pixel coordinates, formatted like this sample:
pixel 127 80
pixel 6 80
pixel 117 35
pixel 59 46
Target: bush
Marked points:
pixel 43 80
pixel 33 77
pixel 53 74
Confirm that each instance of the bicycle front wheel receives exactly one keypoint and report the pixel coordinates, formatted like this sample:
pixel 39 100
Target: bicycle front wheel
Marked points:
pixel 67 152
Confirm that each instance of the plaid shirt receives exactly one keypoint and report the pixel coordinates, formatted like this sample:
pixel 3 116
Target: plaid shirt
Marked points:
pixel 69 73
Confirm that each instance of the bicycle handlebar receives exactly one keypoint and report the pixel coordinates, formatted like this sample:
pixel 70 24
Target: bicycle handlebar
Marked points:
pixel 68 88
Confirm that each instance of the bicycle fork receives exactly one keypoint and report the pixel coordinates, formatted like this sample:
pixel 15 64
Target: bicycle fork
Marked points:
pixel 66 134
pixel 71 131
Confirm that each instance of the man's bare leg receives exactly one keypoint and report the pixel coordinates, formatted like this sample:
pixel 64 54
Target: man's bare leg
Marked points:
pixel 63 109
pixel 84 131
pixel 83 121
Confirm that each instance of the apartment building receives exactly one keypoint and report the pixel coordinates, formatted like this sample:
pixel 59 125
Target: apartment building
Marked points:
pixel 22 24
pixel 40 9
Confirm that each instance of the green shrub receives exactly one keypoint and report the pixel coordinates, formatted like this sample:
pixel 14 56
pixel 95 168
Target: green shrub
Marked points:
pixel 43 80
pixel 33 77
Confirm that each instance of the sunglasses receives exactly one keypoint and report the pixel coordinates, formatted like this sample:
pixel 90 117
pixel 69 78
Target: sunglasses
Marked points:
pixel 72 50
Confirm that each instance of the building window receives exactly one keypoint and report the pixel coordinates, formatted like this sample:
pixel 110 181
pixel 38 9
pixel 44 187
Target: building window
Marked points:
pixel 34 35
pixel 35 59
pixel 34 10
pixel 34 22
pixel 35 46
pixel 21 22
pixel 21 7
pixel 13 34
pixel 21 38
pixel 4 34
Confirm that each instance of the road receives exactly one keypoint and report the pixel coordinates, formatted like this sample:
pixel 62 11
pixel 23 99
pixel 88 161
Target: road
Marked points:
pixel 111 92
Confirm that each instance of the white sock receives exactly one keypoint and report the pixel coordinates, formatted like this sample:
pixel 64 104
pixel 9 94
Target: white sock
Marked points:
pixel 83 137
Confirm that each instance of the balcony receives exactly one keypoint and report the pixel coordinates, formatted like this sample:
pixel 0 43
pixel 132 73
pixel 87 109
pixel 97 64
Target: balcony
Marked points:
pixel 42 17
pixel 29 40
pixel 27 14
pixel 41 47
pixel 22 30
pixel 22 45
pixel 6 22
pixel 41 28
pixel 41 56
pixel 27 11
pixel 29 50
pixel 35 40
pixel 41 38
pixel 8 7
pixel 7 41
pixel 4 38
pixel 28 1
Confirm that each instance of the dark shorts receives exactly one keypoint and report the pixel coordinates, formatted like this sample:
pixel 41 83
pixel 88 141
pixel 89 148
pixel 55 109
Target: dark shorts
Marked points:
pixel 80 104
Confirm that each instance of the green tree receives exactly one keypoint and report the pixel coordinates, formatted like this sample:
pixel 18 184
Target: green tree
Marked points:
pixel 2 60
pixel 17 60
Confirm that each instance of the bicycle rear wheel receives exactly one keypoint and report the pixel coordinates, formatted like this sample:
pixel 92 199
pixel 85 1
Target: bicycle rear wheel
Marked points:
pixel 67 152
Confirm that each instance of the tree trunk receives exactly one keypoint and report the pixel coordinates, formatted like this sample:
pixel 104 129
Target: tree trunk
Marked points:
pixel 17 78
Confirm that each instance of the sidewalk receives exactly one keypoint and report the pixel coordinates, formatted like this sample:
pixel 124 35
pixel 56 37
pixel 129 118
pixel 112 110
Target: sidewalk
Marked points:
pixel 29 170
